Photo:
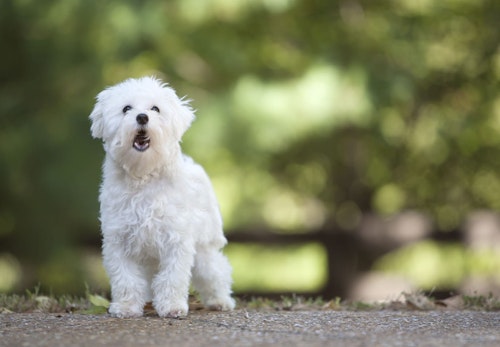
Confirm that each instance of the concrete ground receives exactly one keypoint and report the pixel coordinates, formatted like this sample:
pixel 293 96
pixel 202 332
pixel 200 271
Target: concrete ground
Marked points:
pixel 256 328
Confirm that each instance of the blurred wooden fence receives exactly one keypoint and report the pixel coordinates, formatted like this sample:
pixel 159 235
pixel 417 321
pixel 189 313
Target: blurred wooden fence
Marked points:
pixel 353 252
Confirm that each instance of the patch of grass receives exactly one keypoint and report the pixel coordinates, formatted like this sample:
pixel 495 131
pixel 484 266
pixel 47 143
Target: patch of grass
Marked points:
pixel 290 303
pixel 256 303
pixel 481 302
pixel 407 301
pixel 362 306
pixel 34 301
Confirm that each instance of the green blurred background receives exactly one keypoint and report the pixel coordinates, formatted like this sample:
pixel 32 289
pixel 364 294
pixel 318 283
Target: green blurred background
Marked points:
pixel 310 113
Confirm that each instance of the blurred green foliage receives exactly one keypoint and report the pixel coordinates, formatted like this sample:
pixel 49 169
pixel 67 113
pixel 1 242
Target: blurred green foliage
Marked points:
pixel 278 267
pixel 431 265
pixel 309 112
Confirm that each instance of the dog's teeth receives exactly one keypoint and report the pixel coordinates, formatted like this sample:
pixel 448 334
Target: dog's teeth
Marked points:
pixel 141 142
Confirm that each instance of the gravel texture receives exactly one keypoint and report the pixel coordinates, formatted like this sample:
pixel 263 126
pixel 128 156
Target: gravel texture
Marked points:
pixel 256 328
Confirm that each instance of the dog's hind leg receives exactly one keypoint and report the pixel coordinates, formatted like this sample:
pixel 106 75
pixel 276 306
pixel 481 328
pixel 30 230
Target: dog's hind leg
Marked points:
pixel 212 279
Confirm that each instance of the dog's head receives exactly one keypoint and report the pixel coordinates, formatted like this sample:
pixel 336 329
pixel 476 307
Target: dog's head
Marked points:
pixel 141 121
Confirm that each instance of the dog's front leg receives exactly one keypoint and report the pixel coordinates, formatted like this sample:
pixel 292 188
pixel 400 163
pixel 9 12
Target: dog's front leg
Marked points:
pixel 171 283
pixel 128 285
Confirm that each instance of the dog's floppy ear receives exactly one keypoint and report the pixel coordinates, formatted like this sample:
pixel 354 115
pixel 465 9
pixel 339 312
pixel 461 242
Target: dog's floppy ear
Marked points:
pixel 96 117
pixel 184 118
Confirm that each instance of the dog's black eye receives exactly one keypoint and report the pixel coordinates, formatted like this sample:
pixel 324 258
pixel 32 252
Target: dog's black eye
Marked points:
pixel 156 109
pixel 127 108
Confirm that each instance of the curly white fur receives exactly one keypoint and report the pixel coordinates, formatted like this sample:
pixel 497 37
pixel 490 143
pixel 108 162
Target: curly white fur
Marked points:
pixel 160 219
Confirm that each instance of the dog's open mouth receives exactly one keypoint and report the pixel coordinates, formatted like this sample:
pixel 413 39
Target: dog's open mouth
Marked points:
pixel 141 141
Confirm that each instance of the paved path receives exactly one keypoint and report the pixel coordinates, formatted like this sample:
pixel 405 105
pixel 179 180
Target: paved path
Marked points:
pixel 257 328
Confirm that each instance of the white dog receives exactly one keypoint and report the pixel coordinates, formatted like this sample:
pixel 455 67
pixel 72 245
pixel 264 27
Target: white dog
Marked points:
pixel 160 219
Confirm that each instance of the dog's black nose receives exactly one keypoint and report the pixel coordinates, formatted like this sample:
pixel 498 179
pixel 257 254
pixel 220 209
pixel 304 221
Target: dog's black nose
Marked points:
pixel 142 118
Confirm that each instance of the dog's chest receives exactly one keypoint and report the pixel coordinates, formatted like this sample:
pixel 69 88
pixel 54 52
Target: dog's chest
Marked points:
pixel 148 219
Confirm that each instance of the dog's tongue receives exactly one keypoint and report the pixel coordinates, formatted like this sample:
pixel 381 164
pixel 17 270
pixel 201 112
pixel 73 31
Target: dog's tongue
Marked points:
pixel 141 142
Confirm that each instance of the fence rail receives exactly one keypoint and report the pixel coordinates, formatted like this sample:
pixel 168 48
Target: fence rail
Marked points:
pixel 351 253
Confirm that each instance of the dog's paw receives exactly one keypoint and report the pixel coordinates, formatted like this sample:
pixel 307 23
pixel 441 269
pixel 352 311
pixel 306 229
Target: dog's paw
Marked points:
pixel 125 310
pixel 220 304
pixel 172 311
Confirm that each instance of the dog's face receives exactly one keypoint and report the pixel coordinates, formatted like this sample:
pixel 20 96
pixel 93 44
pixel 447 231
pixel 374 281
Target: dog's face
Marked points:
pixel 140 121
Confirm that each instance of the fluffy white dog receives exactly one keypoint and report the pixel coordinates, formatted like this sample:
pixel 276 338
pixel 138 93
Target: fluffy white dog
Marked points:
pixel 160 219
